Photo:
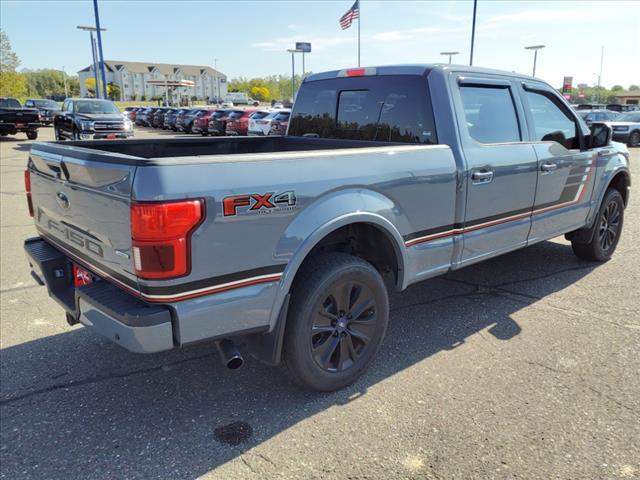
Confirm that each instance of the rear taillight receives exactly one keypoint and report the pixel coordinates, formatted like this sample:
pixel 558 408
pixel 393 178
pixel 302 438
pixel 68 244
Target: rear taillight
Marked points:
pixel 161 235
pixel 27 189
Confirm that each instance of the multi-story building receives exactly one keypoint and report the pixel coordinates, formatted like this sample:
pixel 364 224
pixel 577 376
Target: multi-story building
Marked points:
pixel 133 80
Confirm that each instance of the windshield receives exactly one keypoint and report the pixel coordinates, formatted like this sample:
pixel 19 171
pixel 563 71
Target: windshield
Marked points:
pixel 9 103
pixel 95 106
pixel 629 117
pixel 46 104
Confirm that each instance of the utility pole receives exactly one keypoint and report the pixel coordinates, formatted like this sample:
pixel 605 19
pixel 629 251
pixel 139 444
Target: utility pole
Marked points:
pixel 215 67
pixel 64 80
pixel 600 75
pixel 94 54
pixel 98 30
pixel 473 31
pixel 293 71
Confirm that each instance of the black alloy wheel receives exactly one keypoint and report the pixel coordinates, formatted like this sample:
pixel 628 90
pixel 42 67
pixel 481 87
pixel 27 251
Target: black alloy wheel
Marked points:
pixel 343 326
pixel 609 227
pixel 337 319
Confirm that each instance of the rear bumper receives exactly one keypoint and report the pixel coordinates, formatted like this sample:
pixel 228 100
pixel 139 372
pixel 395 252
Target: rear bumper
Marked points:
pixel 109 310
pixel 13 127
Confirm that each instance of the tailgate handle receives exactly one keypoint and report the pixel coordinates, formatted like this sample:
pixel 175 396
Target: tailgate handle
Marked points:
pixel 59 169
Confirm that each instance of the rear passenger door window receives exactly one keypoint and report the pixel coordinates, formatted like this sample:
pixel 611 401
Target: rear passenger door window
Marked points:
pixel 490 114
pixel 551 122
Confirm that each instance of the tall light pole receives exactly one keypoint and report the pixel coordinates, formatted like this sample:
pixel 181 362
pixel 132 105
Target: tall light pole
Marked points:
pixel 64 80
pixel 473 31
pixel 215 67
pixel 91 29
pixel 535 49
pixel 99 34
pixel 450 54
pixel 293 51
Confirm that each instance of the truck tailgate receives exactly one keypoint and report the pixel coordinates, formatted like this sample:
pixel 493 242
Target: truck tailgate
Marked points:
pixel 82 206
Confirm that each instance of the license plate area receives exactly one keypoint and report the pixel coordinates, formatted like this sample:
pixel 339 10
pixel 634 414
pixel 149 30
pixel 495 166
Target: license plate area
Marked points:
pixel 20 125
pixel 112 136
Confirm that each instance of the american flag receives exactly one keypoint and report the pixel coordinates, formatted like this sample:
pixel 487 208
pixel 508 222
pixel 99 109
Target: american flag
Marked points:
pixel 347 19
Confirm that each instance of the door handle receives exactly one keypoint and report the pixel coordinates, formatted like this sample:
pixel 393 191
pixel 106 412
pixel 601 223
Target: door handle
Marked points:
pixel 484 176
pixel 548 167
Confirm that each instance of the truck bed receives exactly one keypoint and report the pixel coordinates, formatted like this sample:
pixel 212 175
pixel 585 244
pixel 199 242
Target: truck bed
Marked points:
pixel 138 152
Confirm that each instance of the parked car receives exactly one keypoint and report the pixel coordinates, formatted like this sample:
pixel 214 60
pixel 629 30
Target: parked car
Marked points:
pixel 201 122
pixel 280 123
pixel 619 107
pixel 290 245
pixel 14 118
pixel 626 128
pixel 47 109
pixel 238 122
pixel 132 112
pixel 91 119
pixel 170 118
pixel 591 116
pixel 218 122
pixel 143 116
pixel 590 106
pixel 159 116
pixel 260 122
pixel 226 105
pixel 185 122
pixel 278 105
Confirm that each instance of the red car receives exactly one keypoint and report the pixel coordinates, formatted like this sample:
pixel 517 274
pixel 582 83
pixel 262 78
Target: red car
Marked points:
pixel 280 123
pixel 238 122
pixel 201 122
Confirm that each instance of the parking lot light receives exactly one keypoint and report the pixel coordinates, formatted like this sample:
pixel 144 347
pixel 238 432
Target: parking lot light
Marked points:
pixel 449 54
pixel 535 49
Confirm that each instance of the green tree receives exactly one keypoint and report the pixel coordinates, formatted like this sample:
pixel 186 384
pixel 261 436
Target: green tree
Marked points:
pixel 617 88
pixel 9 61
pixel 12 83
pixel 633 88
pixel 113 90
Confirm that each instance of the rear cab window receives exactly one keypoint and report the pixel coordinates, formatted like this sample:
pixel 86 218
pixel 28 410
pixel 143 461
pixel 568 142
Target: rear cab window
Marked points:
pixel 389 108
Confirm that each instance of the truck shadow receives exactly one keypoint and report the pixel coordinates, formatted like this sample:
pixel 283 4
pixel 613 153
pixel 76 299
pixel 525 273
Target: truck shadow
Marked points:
pixel 76 406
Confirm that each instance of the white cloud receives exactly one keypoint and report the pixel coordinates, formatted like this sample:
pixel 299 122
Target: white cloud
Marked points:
pixel 541 16
pixel 318 43
pixel 399 35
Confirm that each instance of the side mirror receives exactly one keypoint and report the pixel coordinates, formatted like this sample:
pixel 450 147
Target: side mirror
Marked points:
pixel 600 135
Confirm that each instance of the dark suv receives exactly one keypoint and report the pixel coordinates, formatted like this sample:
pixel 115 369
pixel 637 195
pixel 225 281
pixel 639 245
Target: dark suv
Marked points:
pixel 91 119
pixel 48 109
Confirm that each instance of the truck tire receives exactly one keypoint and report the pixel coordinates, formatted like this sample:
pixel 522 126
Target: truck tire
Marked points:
pixel 608 227
pixel 32 135
pixel 337 320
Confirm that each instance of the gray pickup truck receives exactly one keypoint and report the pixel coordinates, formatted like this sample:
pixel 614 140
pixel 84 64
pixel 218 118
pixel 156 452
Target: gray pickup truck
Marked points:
pixel 285 247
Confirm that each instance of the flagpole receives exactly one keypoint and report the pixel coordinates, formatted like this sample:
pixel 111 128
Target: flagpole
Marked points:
pixel 359 15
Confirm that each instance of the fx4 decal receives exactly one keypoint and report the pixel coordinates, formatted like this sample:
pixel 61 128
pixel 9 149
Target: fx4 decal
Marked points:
pixel 259 203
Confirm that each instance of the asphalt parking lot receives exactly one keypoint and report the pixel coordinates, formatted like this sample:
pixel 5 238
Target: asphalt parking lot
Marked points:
pixel 525 366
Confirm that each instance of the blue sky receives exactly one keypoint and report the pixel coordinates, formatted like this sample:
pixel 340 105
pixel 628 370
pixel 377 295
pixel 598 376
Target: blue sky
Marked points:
pixel 250 38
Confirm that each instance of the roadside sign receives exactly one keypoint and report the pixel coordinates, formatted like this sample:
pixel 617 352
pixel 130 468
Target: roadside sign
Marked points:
pixel 567 83
pixel 303 47
pixel 567 96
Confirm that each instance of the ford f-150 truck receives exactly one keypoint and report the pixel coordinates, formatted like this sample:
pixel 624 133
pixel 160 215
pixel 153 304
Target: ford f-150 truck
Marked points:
pixel 286 246
pixel 14 119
